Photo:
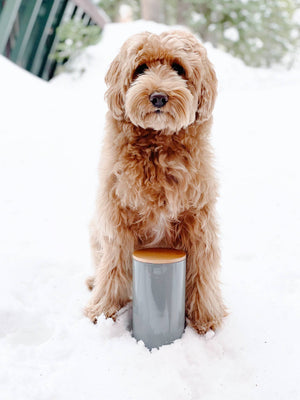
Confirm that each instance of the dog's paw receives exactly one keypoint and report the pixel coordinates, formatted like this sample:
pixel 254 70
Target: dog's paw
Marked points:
pixel 203 327
pixel 109 311
pixel 92 312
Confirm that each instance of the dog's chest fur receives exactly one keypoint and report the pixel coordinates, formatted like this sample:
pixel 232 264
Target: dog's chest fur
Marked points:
pixel 154 182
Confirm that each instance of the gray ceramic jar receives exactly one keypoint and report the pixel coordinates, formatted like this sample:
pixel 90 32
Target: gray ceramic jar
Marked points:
pixel 158 296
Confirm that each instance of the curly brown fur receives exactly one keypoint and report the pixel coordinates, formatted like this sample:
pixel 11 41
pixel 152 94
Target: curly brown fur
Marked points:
pixel 157 185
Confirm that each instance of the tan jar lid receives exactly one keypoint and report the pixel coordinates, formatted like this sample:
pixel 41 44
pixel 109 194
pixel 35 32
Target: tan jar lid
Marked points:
pixel 159 256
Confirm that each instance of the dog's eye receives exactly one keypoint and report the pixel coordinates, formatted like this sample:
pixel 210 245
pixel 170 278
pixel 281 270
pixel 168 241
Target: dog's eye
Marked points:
pixel 178 68
pixel 140 70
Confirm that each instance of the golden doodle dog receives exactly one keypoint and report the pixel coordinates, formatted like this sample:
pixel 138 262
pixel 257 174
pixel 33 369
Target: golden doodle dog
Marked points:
pixel 157 183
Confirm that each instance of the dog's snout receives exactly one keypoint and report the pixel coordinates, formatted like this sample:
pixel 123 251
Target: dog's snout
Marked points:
pixel 158 99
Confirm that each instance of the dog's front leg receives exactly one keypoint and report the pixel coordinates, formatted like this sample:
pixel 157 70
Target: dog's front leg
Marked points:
pixel 112 282
pixel 204 305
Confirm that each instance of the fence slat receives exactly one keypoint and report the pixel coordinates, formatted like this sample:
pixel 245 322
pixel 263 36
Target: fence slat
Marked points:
pixel 7 19
pixel 28 32
pixel 93 11
pixel 38 55
pixel 25 24
pixel 49 62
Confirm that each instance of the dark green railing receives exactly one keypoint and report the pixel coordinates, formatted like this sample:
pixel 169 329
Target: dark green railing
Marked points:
pixel 28 30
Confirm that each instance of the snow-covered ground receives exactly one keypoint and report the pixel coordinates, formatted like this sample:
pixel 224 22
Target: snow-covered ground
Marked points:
pixel 49 149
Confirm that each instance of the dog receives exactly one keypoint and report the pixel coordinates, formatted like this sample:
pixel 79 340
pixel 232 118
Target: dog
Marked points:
pixel 157 183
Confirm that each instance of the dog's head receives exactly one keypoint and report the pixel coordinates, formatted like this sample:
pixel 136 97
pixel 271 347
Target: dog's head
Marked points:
pixel 161 82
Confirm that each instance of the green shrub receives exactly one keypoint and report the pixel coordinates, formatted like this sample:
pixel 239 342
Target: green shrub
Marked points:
pixel 260 32
pixel 74 36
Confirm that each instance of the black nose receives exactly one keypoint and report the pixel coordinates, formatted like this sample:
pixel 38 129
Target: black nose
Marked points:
pixel 158 99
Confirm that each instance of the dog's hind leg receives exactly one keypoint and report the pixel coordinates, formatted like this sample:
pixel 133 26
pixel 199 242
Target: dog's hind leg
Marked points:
pixel 96 252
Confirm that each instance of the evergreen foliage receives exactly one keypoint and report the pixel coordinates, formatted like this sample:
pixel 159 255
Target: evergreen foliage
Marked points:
pixel 260 32
pixel 73 37
pixel 111 7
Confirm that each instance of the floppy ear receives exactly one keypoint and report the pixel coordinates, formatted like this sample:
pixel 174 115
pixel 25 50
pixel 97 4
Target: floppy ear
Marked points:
pixel 208 91
pixel 117 77
pixel 114 93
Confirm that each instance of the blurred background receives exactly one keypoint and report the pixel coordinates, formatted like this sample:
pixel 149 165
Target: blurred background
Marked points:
pixel 54 55
pixel 41 35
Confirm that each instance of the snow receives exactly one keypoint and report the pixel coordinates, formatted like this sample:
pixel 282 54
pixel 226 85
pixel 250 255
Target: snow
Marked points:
pixel 49 145
pixel 232 34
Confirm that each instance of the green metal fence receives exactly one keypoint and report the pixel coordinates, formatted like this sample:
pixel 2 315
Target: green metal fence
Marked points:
pixel 28 30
